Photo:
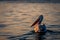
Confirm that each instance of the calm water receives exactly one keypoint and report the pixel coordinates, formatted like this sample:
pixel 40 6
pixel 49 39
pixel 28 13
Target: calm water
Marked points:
pixel 16 19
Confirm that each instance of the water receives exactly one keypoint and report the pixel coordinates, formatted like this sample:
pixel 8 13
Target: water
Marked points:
pixel 16 19
pixel 32 1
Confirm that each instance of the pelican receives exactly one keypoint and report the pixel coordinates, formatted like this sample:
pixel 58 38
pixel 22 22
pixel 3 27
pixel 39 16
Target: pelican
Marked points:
pixel 38 28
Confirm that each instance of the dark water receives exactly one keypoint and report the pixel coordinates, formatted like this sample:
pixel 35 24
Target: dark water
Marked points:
pixel 50 35
pixel 35 1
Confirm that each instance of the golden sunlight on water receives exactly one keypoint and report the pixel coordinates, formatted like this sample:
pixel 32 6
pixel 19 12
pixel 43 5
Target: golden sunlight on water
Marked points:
pixel 16 18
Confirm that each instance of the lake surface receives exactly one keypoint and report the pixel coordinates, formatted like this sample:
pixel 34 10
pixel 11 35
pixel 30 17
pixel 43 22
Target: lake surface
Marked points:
pixel 16 19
